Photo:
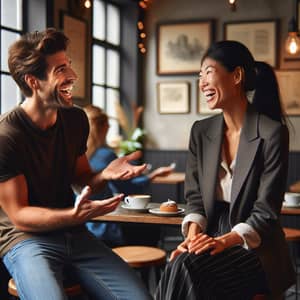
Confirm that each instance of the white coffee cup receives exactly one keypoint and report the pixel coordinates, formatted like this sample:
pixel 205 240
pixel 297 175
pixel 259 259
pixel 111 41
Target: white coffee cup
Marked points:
pixel 137 201
pixel 292 198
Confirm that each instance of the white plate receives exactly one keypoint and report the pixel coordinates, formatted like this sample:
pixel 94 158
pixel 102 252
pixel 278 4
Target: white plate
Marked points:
pixel 284 204
pixel 158 212
pixel 145 209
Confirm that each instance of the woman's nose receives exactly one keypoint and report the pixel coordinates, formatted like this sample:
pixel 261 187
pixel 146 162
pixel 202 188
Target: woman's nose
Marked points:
pixel 202 82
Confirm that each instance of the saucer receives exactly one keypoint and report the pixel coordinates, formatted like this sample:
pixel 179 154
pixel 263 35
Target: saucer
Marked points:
pixel 284 204
pixel 158 212
pixel 145 209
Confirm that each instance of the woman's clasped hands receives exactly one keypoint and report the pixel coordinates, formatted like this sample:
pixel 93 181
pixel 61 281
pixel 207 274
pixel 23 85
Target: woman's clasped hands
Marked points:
pixel 199 244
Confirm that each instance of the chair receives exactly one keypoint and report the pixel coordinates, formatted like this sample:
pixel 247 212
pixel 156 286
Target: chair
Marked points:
pixel 71 290
pixel 143 258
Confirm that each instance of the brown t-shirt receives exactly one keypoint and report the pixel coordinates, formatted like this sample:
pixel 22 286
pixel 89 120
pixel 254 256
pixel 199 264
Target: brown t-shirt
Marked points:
pixel 45 157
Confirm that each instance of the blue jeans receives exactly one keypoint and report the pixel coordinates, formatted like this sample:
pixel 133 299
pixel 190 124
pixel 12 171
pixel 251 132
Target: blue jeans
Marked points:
pixel 37 265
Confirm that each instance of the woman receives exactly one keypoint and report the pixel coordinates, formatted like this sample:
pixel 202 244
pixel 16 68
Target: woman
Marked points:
pixel 100 155
pixel 235 181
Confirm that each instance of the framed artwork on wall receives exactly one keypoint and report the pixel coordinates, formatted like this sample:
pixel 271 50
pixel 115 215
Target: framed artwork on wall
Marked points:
pixel 202 107
pixel 181 45
pixel 289 82
pixel 173 97
pixel 76 30
pixel 259 36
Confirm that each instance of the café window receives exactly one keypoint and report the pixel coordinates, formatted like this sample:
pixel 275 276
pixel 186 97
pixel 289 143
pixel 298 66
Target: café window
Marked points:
pixel 106 60
pixel 12 26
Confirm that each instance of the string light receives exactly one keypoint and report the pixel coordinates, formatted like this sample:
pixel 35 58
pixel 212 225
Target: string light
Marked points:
pixel 87 4
pixel 143 4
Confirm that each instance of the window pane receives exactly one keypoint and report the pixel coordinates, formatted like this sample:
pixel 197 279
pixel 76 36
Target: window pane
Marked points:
pixel 98 97
pixel 113 24
pixel 99 20
pixel 7 38
pixel 113 97
pixel 10 95
pixel 113 72
pixel 98 64
pixel 11 14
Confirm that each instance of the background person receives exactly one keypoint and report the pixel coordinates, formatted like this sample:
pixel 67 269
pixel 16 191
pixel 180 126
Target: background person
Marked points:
pixel 235 181
pixel 100 155
pixel 42 155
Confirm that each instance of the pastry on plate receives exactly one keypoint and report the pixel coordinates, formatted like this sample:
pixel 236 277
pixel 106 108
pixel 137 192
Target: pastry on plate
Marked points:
pixel 169 206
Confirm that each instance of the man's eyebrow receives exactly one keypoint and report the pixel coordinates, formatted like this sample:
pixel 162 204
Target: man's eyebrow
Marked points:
pixel 59 66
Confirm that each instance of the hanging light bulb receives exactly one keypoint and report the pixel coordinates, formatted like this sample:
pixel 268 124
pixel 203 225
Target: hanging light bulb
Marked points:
pixel 292 43
pixel 87 3
pixel 232 4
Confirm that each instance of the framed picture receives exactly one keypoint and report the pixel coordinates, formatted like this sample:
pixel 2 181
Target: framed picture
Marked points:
pixel 173 97
pixel 76 30
pixel 289 82
pixel 202 107
pixel 180 46
pixel 259 36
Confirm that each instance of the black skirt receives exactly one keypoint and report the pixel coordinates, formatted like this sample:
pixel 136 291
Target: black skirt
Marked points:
pixel 234 274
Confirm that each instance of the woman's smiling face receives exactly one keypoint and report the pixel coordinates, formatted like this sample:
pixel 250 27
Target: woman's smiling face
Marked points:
pixel 216 83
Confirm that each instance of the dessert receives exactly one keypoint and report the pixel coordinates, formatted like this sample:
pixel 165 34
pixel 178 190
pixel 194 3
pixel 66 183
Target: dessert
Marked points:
pixel 169 206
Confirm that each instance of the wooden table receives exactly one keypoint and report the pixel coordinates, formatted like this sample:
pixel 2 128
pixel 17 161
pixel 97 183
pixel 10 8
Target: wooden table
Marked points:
pixel 125 215
pixel 173 178
pixel 290 211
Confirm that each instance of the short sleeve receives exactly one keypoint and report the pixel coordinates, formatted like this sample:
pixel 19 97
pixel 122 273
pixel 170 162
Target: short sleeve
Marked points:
pixel 9 162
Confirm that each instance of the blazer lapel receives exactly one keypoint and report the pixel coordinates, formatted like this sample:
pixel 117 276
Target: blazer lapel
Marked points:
pixel 249 142
pixel 211 159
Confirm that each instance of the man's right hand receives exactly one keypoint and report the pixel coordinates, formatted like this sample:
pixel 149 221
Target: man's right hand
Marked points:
pixel 86 209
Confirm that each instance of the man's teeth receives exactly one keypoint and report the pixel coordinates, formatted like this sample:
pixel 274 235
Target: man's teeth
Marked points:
pixel 209 94
pixel 67 90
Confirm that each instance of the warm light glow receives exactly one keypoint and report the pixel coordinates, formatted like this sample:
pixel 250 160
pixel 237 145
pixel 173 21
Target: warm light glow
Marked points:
pixel 140 25
pixel 143 4
pixel 143 50
pixel 87 3
pixel 143 35
pixel 292 43
pixel 231 1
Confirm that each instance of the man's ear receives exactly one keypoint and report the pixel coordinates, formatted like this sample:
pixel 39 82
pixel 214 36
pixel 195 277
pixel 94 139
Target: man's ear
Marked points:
pixel 31 81
pixel 239 75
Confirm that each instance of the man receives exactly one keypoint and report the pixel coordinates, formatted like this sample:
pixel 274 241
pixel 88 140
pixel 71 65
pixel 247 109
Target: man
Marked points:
pixel 42 155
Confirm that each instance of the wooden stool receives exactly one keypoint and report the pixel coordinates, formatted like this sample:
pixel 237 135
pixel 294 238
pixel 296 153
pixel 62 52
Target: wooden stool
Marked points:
pixel 73 290
pixel 143 258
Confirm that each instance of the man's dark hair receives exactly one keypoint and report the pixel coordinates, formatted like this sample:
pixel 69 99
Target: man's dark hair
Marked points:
pixel 28 55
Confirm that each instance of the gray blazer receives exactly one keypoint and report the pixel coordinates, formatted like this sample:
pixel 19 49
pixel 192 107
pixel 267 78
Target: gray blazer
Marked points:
pixel 258 186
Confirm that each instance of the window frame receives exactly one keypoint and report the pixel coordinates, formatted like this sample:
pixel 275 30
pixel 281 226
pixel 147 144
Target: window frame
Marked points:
pixel 13 30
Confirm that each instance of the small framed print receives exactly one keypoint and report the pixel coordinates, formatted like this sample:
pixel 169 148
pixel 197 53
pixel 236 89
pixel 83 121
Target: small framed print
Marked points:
pixel 289 82
pixel 259 36
pixel 202 107
pixel 173 97
pixel 181 45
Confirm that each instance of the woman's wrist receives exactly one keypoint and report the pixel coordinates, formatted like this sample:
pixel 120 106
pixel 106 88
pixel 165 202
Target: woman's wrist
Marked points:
pixel 193 229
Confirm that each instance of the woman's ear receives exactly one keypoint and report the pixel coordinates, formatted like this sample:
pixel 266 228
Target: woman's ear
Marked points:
pixel 31 81
pixel 239 75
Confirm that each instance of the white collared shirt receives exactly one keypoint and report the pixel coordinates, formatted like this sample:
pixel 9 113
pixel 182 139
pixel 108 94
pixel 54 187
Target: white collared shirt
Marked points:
pixel 248 234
